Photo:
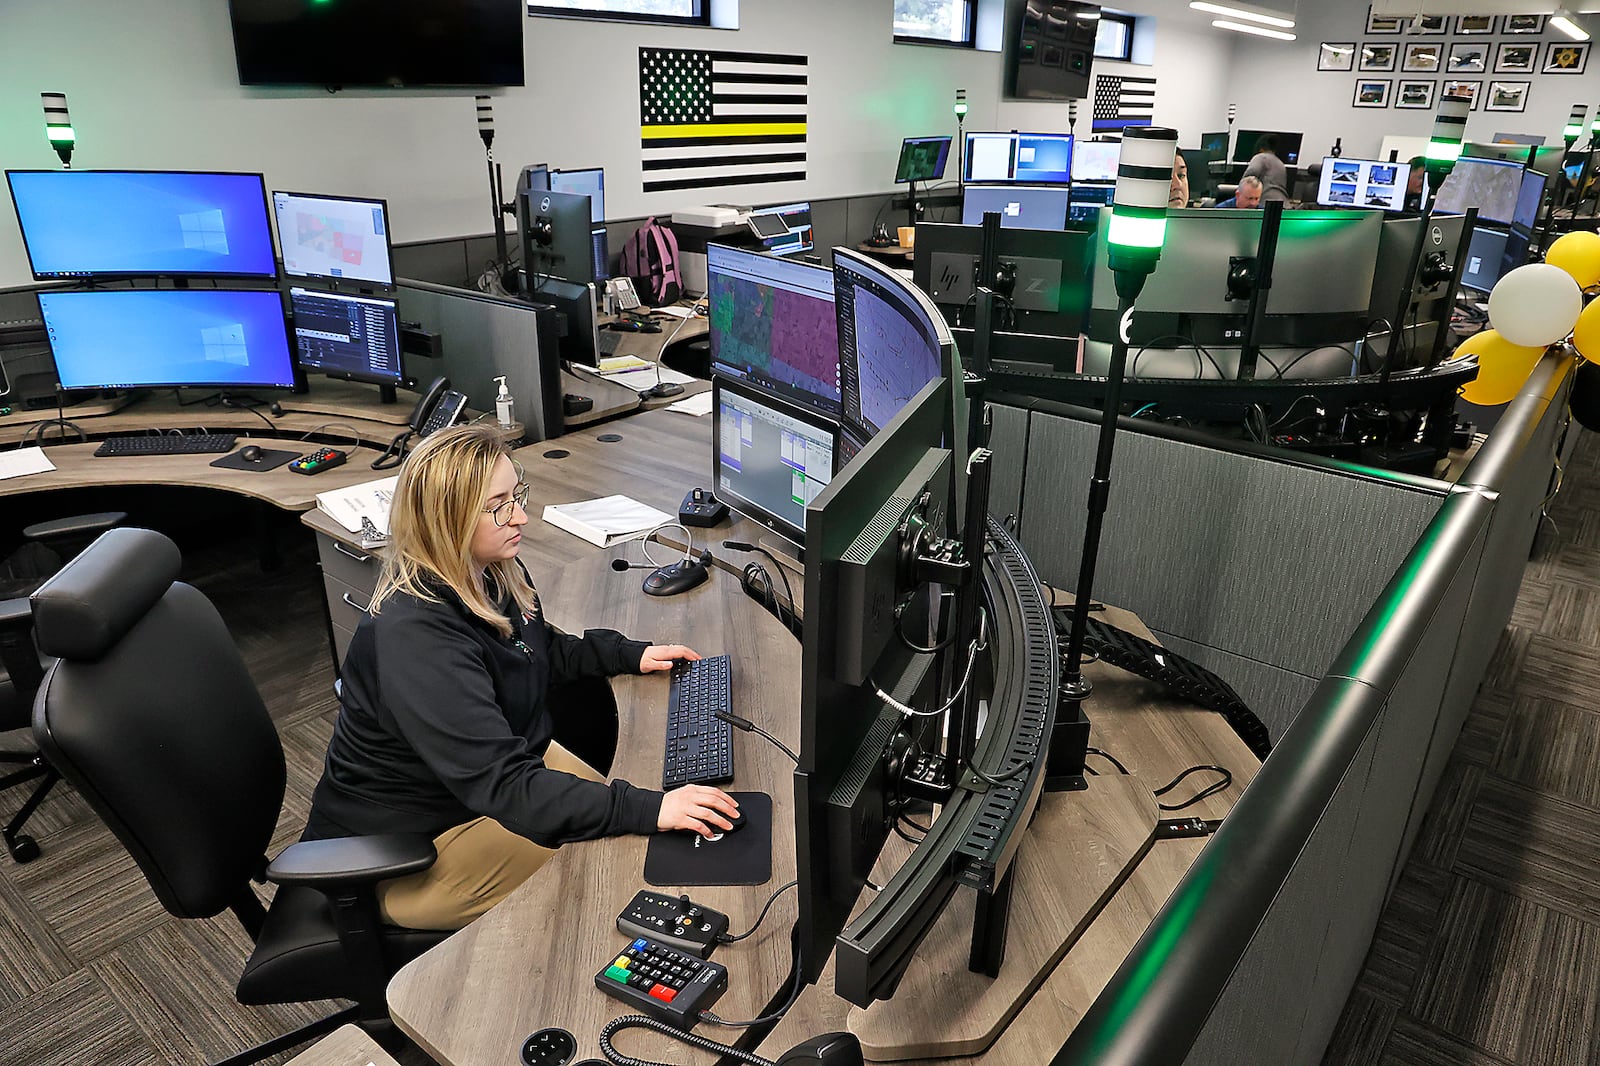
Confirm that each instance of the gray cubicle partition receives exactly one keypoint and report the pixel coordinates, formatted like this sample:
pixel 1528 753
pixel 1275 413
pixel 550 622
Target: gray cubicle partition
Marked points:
pixel 484 336
pixel 1254 953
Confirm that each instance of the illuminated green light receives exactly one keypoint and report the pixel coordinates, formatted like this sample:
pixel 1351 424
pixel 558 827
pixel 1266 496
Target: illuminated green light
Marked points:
pixel 1594 127
pixel 961 109
pixel 1129 231
pixel 60 134
pixel 1444 151
pixel 1573 132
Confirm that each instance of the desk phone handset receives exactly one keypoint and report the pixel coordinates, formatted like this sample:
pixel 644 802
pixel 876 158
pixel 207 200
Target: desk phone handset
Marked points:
pixel 623 292
pixel 439 408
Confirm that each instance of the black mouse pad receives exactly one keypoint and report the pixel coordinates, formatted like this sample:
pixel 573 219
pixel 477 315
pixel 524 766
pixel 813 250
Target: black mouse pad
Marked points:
pixel 270 459
pixel 742 858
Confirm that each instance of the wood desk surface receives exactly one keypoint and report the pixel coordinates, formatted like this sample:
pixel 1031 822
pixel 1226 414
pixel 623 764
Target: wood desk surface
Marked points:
pixel 346 1046
pixel 612 399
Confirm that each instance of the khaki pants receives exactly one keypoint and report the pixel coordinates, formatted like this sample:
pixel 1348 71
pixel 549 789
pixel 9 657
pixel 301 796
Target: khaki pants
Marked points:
pixel 480 862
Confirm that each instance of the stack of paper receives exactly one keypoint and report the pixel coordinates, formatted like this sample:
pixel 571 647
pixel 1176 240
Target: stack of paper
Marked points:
pixel 369 500
pixel 606 521
pixel 24 461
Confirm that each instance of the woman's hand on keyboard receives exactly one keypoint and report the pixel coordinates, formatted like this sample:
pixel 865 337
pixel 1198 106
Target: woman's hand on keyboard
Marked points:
pixel 698 808
pixel 658 657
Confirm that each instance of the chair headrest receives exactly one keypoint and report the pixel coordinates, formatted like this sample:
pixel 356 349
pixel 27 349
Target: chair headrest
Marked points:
pixel 92 601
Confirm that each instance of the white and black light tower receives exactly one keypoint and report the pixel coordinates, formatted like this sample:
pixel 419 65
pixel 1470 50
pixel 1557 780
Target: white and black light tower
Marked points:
pixel 496 189
pixel 58 126
pixel 960 109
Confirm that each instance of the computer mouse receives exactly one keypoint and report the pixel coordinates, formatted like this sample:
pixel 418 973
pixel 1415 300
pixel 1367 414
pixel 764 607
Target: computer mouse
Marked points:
pixel 250 453
pixel 677 577
pixel 738 820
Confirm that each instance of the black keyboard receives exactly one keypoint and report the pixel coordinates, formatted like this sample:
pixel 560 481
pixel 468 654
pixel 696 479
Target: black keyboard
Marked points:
pixel 167 444
pixel 699 749
pixel 609 342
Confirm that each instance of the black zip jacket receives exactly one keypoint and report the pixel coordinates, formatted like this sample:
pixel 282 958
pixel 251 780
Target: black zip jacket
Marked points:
pixel 443 720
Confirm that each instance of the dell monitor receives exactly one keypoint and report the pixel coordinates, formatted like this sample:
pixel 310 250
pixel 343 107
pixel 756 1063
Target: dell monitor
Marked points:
pixel 1363 183
pixel 769 459
pixel 590 182
pixel 1019 206
pixel 168 338
pixel 579 331
pixel 143 223
pixel 1485 261
pixel 1025 158
pixel 557 236
pixel 1095 161
pixel 356 338
pixel 1288 146
pixel 922 159
pixel 1493 186
pixel 774 326
pixel 784 229
pixel 339 238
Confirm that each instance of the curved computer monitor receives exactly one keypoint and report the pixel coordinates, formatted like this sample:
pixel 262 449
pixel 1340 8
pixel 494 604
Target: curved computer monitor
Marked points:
pixel 340 238
pixel 143 223
pixel 168 338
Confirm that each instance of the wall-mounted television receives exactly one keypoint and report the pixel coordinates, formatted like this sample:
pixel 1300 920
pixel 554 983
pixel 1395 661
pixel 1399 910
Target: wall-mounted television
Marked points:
pixel 378 43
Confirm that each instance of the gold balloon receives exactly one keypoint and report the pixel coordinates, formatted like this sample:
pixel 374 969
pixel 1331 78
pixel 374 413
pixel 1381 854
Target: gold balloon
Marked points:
pixel 1578 253
pixel 1586 332
pixel 1502 368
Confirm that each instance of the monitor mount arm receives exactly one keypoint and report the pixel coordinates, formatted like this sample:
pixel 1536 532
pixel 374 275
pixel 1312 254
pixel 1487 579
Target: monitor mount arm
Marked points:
pixel 1266 253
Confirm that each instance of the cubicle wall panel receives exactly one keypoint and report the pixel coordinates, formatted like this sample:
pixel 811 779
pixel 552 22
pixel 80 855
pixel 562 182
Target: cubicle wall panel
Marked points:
pixel 441 262
pixel 1273 694
pixel 1261 1011
pixel 1008 439
pixel 1268 560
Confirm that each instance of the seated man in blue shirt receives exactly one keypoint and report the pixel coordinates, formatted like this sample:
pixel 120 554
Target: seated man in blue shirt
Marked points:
pixel 1248 194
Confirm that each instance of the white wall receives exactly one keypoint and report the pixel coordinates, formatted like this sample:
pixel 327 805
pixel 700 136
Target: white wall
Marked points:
pixel 1277 86
pixel 153 85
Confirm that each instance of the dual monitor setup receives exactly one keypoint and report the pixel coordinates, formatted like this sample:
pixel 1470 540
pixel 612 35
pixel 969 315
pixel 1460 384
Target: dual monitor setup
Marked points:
pixel 96 227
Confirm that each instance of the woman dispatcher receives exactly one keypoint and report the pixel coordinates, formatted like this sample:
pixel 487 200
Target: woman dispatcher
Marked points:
pixel 444 727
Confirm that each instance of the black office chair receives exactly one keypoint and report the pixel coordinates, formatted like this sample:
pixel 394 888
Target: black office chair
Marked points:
pixel 149 712
pixel 46 546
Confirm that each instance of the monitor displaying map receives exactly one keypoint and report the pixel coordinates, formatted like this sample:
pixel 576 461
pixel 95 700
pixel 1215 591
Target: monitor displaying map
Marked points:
pixel 892 341
pixel 336 237
pixel 773 325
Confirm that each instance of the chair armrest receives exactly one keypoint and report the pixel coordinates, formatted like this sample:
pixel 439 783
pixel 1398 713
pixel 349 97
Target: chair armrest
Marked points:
pixel 351 861
pixel 16 613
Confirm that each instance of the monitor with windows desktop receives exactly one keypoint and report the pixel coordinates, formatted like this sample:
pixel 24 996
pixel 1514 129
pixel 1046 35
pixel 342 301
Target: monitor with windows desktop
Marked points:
pixel 356 338
pixel 922 159
pixel 337 238
pixel 773 325
pixel 590 182
pixel 1019 206
pixel 1024 158
pixel 167 338
pixel 1288 149
pixel 143 223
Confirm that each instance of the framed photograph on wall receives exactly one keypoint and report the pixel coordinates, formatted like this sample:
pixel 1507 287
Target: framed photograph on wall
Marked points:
pixel 1423 58
pixel 1337 55
pixel 1466 90
pixel 1468 57
pixel 1523 24
pixel 1378 55
pixel 1466 25
pixel 1384 23
pixel 1514 57
pixel 1431 25
pixel 1416 95
pixel 1372 92
pixel 1506 96
pixel 1565 57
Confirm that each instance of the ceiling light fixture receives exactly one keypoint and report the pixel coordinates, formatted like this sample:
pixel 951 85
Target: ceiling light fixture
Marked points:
pixel 1567 23
pixel 1241 13
pixel 1259 31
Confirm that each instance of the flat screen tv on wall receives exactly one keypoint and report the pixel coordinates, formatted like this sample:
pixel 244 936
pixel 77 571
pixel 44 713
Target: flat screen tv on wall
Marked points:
pixel 378 43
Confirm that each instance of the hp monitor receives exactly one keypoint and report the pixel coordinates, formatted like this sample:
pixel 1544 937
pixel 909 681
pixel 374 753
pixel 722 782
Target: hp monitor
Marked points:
pixel 774 326
pixel 341 238
pixel 1363 183
pixel 352 337
pixel 922 159
pixel 167 338
pixel 770 459
pixel 143 223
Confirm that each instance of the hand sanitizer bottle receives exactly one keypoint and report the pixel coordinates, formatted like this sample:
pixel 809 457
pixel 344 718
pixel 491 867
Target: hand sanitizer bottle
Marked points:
pixel 503 404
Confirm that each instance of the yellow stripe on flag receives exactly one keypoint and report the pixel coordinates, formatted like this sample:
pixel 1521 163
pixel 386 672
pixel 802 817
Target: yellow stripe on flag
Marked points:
pixel 722 129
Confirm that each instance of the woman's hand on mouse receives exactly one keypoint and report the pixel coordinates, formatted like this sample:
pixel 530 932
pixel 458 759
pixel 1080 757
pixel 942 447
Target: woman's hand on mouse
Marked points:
pixel 698 808
pixel 659 657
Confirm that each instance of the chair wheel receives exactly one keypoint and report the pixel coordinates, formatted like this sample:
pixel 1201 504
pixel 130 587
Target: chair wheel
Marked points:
pixel 24 848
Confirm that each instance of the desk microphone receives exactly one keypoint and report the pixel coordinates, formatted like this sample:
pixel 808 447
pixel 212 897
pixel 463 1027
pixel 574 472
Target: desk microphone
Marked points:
pixel 621 565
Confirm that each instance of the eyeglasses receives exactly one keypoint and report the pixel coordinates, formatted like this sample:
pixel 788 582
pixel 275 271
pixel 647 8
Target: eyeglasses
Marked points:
pixel 501 512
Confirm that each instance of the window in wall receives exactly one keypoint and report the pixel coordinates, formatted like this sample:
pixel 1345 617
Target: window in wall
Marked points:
pixel 936 21
pixel 694 12
pixel 1114 38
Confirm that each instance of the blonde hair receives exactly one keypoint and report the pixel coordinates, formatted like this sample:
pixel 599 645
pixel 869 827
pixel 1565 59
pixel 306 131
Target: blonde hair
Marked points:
pixel 437 505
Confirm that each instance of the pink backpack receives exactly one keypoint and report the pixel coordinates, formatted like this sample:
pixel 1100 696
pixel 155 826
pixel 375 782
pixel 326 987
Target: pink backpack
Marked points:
pixel 650 258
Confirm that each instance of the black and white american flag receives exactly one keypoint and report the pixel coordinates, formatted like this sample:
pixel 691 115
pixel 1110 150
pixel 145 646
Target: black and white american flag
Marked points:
pixel 1120 102
pixel 720 118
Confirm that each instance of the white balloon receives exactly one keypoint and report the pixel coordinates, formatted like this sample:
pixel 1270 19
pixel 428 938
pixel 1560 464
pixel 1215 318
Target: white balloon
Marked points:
pixel 1535 305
